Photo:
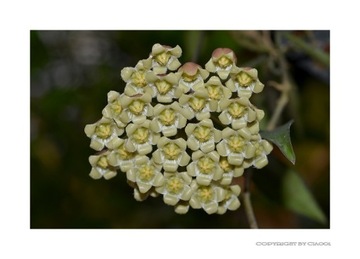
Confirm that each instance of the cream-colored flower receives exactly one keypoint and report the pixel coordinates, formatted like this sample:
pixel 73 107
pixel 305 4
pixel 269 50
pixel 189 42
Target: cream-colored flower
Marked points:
pixel 245 81
pixel 202 136
pixel 136 108
pixel 216 92
pixel 235 145
pixel 139 196
pixel 123 158
pixel 134 77
pixel 229 171
pixel 164 58
pixel 192 76
pixel 205 167
pixel 207 197
pixel 176 188
pixel 103 133
pixel 182 207
pixel 258 151
pixel 171 153
pixel 221 62
pixel 101 167
pixel 164 87
pixel 168 119
pixel 237 112
pixel 146 175
pixel 231 201
pixel 114 108
pixel 141 138
pixel 196 105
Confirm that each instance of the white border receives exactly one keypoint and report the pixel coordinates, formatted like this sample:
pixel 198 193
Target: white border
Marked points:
pixel 18 241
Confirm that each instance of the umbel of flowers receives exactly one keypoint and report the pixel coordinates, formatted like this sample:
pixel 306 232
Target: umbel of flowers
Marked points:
pixel 182 132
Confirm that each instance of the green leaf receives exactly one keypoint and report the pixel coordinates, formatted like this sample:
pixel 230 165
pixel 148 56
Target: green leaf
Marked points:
pixel 281 138
pixel 298 198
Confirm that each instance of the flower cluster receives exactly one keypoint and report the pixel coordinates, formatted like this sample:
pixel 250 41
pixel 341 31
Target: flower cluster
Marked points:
pixel 182 131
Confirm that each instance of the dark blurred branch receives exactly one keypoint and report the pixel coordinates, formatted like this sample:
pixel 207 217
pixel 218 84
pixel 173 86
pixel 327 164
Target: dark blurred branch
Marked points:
pixel 252 40
pixel 313 52
pixel 285 87
pixel 196 38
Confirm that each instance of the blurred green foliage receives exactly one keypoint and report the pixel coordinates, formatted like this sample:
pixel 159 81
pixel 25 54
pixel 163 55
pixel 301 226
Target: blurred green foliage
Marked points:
pixel 71 73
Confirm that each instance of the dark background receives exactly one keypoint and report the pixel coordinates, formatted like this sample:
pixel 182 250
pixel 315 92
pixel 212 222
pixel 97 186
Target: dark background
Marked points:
pixel 71 73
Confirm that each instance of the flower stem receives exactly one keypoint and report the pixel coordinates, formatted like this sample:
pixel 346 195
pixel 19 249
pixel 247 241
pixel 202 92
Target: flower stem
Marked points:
pixel 249 210
pixel 247 201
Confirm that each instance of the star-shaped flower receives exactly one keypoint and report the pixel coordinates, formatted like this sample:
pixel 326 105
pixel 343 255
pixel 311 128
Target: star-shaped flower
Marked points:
pixel 103 133
pixel 221 62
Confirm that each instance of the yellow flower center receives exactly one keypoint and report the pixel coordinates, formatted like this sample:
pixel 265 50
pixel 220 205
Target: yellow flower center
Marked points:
pixel 167 117
pixel 124 154
pixel 189 78
pixel 205 194
pixel 163 87
pixel 103 131
pixel 224 164
pixel 174 185
pixel 137 107
pixel 146 173
pixel 197 104
pixel 172 151
pixel 258 149
pixel 244 79
pixel 223 62
pixel 116 107
pixel 141 135
pixel 102 162
pixel 206 165
pixel 138 79
pixel 236 110
pixel 202 133
pixel 215 92
pixel 163 58
pixel 236 143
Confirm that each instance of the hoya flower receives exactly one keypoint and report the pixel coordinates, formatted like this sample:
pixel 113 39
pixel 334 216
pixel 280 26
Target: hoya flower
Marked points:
pixel 176 187
pixel 134 77
pixel 121 157
pixel 182 207
pixel 202 136
pixel 192 76
pixel 141 138
pixel 221 62
pixel 237 112
pixel 146 175
pixel 136 108
pixel 164 58
pixel 114 108
pixel 245 81
pixel 207 197
pixel 231 201
pixel 258 151
pixel 168 119
pixel 103 133
pixel 101 167
pixel 139 196
pixel 205 167
pixel 229 171
pixel 216 92
pixel 164 87
pixel 235 145
pixel 171 153
pixel 196 104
